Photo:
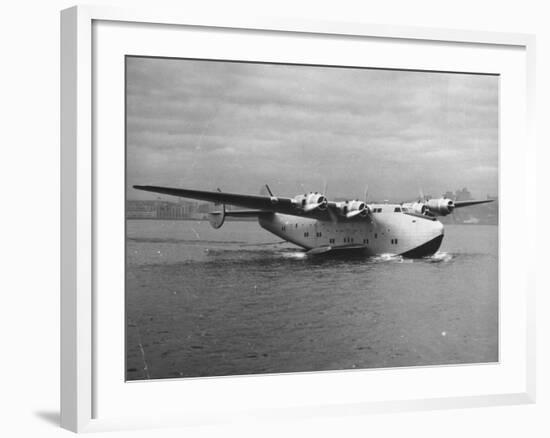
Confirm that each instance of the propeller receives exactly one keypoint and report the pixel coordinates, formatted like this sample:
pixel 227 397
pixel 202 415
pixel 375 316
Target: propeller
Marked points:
pixel 366 203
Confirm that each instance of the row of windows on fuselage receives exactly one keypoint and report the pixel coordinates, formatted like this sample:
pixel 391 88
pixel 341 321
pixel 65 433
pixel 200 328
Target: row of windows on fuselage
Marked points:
pixel 346 239
pixel 350 240
pixel 320 234
pixel 379 210
pixel 284 227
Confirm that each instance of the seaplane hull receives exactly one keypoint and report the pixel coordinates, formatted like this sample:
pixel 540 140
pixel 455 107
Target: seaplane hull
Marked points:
pixel 386 233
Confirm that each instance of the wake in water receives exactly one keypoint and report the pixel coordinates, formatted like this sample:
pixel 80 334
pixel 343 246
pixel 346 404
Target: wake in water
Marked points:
pixel 294 254
pixel 388 257
pixel 271 250
pixel 440 257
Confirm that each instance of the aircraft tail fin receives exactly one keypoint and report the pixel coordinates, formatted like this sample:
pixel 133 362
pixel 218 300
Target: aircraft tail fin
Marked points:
pixel 217 218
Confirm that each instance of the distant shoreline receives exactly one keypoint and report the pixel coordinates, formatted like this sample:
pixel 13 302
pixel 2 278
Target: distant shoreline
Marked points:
pixel 254 220
pixel 187 219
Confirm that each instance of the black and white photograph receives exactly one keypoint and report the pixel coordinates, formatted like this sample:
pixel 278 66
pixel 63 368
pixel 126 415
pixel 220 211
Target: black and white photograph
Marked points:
pixel 285 218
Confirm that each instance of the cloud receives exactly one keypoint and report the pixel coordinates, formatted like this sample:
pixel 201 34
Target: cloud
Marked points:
pixel 239 125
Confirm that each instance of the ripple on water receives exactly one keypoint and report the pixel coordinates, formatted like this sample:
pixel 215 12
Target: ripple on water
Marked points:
pixel 207 309
pixel 440 257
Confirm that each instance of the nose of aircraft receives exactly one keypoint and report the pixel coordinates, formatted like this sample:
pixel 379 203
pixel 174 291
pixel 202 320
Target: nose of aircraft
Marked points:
pixel 439 229
pixel 430 241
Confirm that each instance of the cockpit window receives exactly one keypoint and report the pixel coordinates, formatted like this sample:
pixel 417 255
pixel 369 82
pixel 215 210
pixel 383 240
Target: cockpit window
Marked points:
pixel 397 209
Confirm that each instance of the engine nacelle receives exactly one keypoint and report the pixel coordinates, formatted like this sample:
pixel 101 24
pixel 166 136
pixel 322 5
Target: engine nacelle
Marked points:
pixel 419 208
pixel 440 206
pixel 311 201
pixel 353 208
pixel 415 207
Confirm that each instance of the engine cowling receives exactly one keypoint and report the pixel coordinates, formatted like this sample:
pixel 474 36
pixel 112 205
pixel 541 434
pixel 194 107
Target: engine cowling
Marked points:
pixel 419 208
pixel 415 207
pixel 440 206
pixel 311 201
pixel 353 208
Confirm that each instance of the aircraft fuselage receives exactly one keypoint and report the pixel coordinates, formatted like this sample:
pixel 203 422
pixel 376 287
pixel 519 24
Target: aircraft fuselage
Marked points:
pixel 389 230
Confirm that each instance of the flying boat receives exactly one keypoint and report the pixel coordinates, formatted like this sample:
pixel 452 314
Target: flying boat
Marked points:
pixel 320 226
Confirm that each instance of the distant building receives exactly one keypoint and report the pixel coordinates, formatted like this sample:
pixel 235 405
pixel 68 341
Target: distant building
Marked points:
pixel 141 209
pixel 160 209
pixel 460 195
pixel 463 195
pixel 204 208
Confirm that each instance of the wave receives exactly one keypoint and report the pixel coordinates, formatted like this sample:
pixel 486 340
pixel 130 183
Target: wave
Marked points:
pixel 440 257
pixel 293 254
pixel 389 257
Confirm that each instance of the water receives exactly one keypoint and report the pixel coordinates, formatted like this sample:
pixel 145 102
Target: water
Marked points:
pixel 204 302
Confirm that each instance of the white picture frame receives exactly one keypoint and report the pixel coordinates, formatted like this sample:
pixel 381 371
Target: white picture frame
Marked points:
pixel 80 369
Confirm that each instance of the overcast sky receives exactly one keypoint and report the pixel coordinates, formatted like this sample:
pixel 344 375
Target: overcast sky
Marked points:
pixel 237 126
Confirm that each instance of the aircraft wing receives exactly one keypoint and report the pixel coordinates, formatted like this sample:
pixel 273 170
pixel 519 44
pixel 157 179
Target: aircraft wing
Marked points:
pixel 272 204
pixel 459 204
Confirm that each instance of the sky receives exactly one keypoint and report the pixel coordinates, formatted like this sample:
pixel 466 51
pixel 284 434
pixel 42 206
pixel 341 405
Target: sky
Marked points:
pixel 237 126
